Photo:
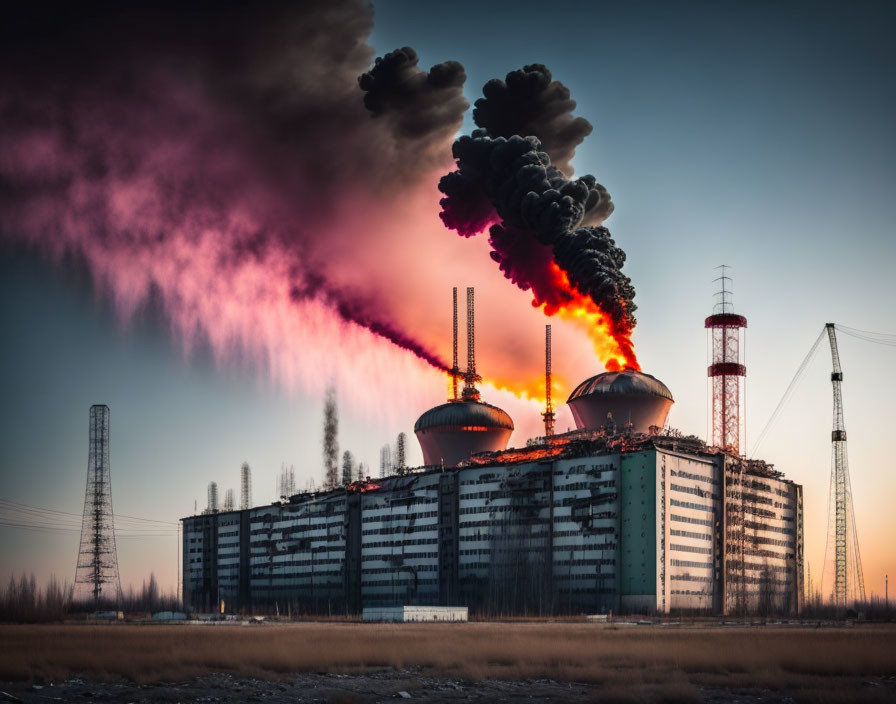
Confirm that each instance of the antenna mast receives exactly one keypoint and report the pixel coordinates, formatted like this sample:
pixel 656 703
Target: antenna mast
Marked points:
pixel 849 582
pixel 471 393
pixel 455 370
pixel 548 414
pixel 726 368
pixel 245 487
pixel 96 574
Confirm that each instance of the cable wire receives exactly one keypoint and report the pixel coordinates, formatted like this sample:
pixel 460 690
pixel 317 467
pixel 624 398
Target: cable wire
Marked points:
pixel 790 389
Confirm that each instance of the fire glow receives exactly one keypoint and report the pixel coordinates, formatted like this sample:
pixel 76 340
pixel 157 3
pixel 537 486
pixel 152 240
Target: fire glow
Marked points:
pixel 613 346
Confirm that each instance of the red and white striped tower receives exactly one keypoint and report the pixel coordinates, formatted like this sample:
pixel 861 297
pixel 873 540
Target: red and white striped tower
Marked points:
pixel 726 369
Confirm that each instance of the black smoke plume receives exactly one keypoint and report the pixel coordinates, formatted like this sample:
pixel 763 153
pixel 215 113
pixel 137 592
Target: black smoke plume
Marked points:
pixel 416 104
pixel 530 102
pixel 542 217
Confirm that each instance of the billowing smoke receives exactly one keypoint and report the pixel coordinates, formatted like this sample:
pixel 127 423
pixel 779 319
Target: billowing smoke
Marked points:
pixel 530 102
pixel 416 104
pixel 224 164
pixel 544 226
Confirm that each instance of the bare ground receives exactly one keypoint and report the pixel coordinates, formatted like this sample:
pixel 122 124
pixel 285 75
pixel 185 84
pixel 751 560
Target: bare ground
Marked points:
pixel 351 662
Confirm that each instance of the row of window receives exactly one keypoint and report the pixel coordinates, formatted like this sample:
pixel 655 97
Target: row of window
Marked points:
pixel 695 521
pixel 379 583
pixel 390 570
pixel 690 534
pixel 688 504
pixel 689 578
pixel 691 548
pixel 766 527
pixel 405 516
pixel 696 477
pixel 390 530
pixel 734 567
pixel 403 556
pixel 695 490
pixel 600 530
pixel 686 563
pixel 398 543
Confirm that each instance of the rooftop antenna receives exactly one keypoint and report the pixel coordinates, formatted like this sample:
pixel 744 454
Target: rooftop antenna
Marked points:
pixel 471 393
pixel 548 414
pixel 455 370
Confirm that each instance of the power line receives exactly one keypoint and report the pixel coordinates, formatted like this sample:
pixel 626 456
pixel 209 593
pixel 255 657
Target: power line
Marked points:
pixel 40 509
pixel 790 389
pixel 879 338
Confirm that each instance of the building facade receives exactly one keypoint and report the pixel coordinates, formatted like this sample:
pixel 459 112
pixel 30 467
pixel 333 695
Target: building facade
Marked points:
pixel 575 525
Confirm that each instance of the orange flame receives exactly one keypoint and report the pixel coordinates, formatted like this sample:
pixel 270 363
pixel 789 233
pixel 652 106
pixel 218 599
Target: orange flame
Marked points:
pixel 612 344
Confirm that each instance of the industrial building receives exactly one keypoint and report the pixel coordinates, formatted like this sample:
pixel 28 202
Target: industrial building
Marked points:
pixel 620 514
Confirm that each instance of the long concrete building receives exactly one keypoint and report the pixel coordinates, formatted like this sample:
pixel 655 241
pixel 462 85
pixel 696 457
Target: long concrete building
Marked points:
pixel 587 522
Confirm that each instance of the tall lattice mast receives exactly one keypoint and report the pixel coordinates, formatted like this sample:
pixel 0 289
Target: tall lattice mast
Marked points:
pixel 471 393
pixel 455 370
pixel 548 414
pixel 212 503
pixel 843 562
pixel 245 487
pixel 726 368
pixel 96 574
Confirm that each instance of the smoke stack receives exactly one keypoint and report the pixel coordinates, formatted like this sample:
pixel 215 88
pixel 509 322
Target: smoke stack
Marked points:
pixel 548 414
pixel 471 393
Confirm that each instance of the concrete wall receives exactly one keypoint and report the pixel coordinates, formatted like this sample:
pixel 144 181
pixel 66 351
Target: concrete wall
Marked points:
pixel 638 583
pixel 692 535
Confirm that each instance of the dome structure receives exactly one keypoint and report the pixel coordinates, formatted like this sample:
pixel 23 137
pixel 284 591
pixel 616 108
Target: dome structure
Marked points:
pixel 618 398
pixel 455 430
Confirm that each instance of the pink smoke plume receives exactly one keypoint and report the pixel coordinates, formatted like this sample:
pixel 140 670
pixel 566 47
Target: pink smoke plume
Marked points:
pixel 226 166
pixel 230 171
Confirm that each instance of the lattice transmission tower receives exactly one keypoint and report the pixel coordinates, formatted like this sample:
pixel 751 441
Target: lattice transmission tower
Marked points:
pixel 455 370
pixel 470 392
pixel 726 369
pixel 96 574
pixel 548 414
pixel 843 562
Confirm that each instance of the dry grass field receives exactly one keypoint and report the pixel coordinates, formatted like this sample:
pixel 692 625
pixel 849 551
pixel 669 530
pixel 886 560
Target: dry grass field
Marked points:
pixel 673 663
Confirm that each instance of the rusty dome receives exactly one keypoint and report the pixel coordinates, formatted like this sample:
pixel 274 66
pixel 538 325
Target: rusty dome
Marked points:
pixel 455 430
pixel 625 396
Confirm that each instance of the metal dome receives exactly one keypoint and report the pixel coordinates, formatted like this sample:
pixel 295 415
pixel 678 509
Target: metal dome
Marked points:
pixel 464 414
pixel 626 397
pixel 455 430
pixel 627 382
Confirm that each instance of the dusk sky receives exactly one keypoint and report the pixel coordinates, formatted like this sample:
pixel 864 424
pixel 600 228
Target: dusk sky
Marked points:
pixel 753 134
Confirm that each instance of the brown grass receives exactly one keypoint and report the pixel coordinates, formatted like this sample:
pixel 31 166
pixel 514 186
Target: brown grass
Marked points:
pixel 660 663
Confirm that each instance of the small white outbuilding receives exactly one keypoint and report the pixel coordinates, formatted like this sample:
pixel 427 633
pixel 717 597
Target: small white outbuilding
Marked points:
pixel 407 614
